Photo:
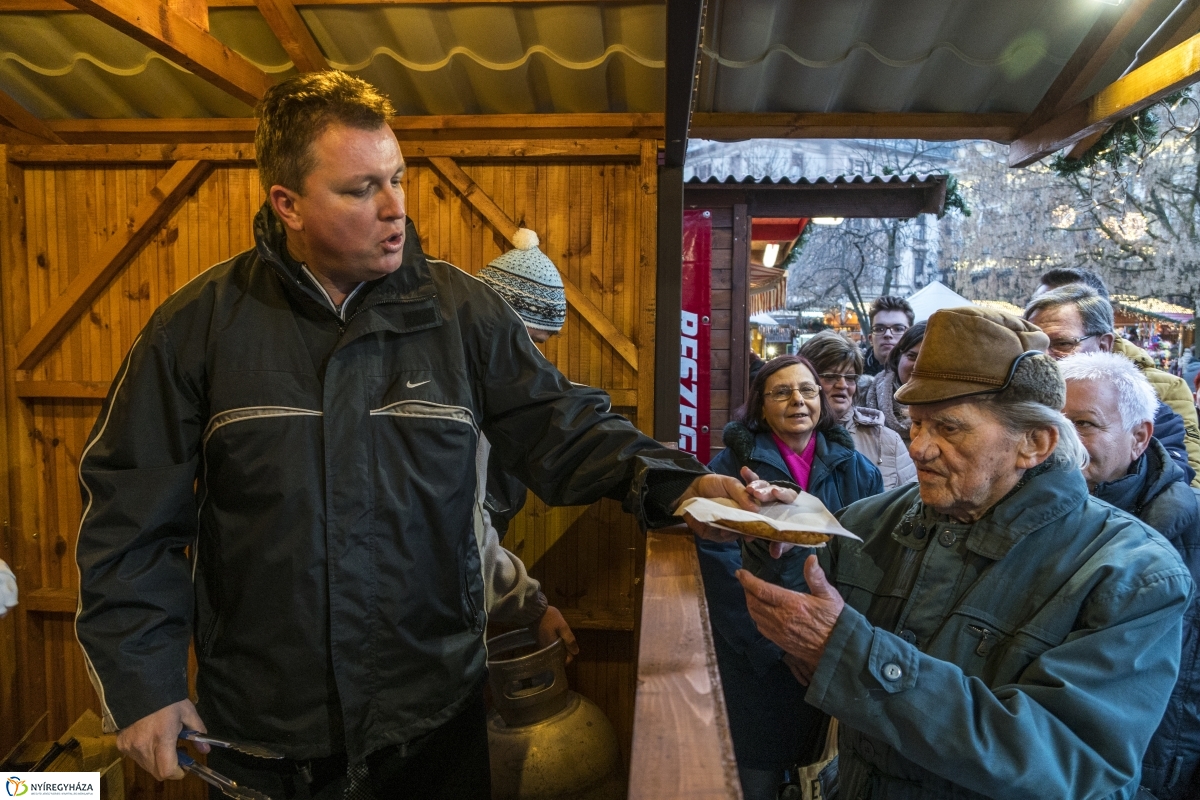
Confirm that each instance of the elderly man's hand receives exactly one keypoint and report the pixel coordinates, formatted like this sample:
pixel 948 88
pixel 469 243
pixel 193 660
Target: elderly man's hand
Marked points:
pixel 748 496
pixel 799 623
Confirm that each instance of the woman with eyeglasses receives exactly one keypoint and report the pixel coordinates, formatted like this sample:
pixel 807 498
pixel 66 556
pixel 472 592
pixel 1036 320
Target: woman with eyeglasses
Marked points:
pixel 786 433
pixel 839 364
pixel 880 392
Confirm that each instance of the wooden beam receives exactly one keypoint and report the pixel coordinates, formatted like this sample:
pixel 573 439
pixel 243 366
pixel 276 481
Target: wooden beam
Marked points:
pixel 297 40
pixel 111 258
pixel 51 601
pixel 182 41
pixel 1173 70
pixel 495 216
pixel 27 6
pixel 408 128
pixel 15 115
pixel 195 11
pixel 681 743
pixel 1097 47
pixel 1171 33
pixel 61 390
pixel 549 149
pixel 932 127
pixel 599 619
pixel 10 135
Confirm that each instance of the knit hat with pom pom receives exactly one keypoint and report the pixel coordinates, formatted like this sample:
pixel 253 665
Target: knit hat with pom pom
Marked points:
pixel 529 281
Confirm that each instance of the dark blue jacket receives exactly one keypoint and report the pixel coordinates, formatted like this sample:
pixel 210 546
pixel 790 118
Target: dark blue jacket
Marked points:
pixel 1169 430
pixel 1157 492
pixel 768 718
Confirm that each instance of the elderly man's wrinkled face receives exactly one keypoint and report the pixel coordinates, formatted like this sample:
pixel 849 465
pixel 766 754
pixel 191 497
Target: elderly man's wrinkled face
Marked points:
pixel 1092 406
pixel 966 460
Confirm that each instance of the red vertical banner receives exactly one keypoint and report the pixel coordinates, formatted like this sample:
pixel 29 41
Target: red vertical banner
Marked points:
pixel 694 328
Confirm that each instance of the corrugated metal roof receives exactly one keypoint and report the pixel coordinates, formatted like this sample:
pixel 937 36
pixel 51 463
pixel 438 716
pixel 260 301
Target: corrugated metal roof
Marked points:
pixel 823 180
pixel 490 58
pixel 897 55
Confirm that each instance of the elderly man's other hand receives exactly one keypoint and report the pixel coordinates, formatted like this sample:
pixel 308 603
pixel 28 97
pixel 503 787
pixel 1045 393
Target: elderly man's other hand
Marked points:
pixel 151 741
pixel 553 626
pixel 748 496
pixel 799 623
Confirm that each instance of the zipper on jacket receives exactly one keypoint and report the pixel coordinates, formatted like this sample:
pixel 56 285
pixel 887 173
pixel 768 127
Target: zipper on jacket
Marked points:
pixel 472 610
pixel 210 635
pixel 987 639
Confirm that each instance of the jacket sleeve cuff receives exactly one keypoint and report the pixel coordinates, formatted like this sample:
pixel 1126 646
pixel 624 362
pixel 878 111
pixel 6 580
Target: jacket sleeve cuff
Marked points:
pixel 657 486
pixel 859 657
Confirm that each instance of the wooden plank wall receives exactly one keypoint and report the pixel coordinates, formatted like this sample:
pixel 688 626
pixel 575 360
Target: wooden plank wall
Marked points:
pixel 595 214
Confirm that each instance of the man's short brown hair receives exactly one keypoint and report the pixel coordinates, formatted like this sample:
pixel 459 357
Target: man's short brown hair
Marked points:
pixel 294 113
pixel 891 303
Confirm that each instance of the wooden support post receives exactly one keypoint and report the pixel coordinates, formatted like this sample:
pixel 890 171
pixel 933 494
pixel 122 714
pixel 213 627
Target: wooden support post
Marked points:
pixel 182 41
pixel 681 744
pixel 142 224
pixel 1173 70
pixel 504 225
pixel 289 28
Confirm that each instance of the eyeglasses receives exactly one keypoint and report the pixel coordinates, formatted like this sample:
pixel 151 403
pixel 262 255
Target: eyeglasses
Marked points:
pixel 834 377
pixel 894 330
pixel 1068 346
pixel 782 394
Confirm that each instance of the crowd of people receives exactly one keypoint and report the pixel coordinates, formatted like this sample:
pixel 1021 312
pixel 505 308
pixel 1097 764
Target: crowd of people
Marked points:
pixel 1017 621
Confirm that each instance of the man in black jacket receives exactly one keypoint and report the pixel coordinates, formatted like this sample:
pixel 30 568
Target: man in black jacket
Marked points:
pixel 286 472
pixel 1113 405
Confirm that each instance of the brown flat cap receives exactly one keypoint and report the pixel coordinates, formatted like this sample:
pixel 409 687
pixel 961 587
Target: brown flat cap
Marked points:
pixel 967 351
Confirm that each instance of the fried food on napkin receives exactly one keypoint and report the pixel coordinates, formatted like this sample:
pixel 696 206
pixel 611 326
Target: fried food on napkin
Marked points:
pixel 765 530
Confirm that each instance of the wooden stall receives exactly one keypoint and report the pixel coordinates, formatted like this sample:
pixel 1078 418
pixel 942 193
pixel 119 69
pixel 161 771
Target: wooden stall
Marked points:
pixel 96 236
pixel 735 207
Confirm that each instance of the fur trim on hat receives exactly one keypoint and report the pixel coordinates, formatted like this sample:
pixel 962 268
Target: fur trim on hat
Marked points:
pixel 1037 379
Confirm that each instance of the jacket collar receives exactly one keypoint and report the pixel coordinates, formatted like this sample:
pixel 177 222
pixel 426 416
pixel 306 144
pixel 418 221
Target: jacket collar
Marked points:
pixel 1047 495
pixel 1147 478
pixel 826 457
pixel 411 283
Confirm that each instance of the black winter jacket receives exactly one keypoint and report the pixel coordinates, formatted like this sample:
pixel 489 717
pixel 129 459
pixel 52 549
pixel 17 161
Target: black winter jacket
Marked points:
pixel 298 489
pixel 1156 491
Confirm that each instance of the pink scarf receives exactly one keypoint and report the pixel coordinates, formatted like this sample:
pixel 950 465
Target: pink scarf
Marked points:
pixel 799 464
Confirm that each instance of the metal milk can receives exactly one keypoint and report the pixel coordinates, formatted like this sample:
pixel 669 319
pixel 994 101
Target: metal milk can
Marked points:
pixel 546 741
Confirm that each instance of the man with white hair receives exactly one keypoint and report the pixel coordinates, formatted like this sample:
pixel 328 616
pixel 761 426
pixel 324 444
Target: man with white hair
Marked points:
pixel 1113 405
pixel 1078 319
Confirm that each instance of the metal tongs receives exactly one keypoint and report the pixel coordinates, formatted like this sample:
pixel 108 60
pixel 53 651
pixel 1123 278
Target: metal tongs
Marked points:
pixel 228 787
pixel 249 749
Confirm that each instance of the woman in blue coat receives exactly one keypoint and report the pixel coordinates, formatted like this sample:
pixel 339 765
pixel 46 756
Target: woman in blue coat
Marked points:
pixel 785 434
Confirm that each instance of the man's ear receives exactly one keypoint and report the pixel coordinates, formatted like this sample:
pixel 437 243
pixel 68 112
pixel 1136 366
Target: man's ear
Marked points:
pixel 1141 438
pixel 285 204
pixel 1035 446
pixel 1105 342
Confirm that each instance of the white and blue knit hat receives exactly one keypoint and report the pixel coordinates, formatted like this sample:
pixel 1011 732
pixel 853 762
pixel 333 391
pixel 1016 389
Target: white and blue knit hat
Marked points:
pixel 530 282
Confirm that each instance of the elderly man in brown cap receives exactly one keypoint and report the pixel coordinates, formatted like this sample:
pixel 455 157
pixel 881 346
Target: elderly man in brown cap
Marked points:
pixel 997 633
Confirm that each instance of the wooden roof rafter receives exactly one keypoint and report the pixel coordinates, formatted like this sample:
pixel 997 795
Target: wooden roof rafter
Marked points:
pixel 38 6
pixel 1097 47
pixel 184 42
pixel 930 126
pixel 1146 85
pixel 297 40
